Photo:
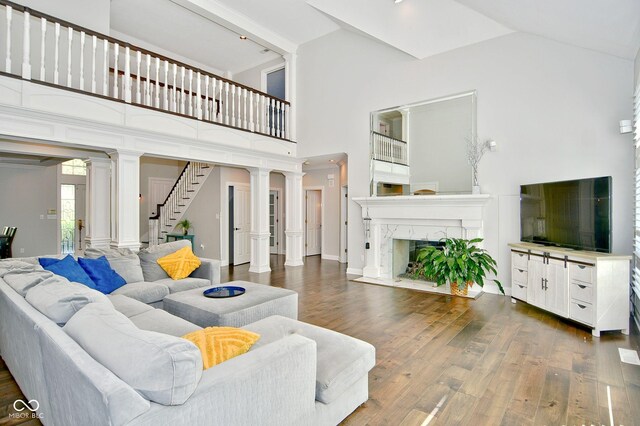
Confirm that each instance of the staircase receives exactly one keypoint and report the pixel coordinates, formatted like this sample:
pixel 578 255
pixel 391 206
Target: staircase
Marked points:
pixel 178 201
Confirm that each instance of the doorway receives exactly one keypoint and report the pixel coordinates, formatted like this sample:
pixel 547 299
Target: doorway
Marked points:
pixel 72 217
pixel 274 221
pixel 239 224
pixel 313 222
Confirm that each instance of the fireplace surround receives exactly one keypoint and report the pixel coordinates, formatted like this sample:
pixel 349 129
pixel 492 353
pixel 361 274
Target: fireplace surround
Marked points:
pixel 391 222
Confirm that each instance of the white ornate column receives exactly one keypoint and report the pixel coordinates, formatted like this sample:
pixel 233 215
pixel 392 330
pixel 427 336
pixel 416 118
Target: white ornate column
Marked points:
pixel 98 214
pixel 260 252
pixel 294 218
pixel 125 199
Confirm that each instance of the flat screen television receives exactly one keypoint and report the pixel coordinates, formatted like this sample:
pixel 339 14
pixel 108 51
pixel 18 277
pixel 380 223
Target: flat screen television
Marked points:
pixel 574 214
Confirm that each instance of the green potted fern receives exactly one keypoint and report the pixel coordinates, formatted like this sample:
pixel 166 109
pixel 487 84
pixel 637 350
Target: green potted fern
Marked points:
pixel 459 262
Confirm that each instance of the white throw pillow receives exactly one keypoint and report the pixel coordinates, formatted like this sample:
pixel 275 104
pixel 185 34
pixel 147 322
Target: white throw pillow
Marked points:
pixel 162 368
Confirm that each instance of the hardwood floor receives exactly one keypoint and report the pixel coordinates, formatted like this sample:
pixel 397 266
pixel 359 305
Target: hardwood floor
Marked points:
pixel 482 362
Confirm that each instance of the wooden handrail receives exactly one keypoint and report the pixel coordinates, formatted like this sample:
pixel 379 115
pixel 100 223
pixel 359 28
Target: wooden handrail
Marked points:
pixel 157 216
pixel 67 24
pixel 386 136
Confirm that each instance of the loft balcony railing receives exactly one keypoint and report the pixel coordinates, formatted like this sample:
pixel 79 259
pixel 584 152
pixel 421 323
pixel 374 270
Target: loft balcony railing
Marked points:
pixel 386 148
pixel 48 50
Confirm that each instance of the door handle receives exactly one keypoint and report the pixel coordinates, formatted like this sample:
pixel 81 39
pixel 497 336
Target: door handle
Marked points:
pixel 546 281
pixel 236 229
pixel 542 283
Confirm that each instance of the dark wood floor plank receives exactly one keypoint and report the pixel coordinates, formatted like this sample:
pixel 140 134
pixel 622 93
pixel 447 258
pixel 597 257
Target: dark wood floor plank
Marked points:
pixel 553 406
pixel 486 361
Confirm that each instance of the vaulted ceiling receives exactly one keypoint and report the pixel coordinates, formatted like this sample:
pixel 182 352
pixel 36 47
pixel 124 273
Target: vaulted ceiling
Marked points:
pixel 421 28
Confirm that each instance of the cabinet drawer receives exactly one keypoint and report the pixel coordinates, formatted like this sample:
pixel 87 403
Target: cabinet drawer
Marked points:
pixel 581 312
pixel 581 273
pixel 581 292
pixel 519 276
pixel 519 260
pixel 519 291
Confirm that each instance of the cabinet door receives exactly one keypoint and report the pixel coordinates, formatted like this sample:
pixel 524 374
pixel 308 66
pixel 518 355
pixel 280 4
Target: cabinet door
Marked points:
pixel 535 292
pixel 557 288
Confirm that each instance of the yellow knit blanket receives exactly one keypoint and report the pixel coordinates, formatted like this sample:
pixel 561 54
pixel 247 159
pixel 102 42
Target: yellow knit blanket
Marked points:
pixel 218 344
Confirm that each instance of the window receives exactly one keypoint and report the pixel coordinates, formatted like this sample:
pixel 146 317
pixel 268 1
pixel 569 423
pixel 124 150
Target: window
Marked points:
pixel 635 285
pixel 67 218
pixel 74 167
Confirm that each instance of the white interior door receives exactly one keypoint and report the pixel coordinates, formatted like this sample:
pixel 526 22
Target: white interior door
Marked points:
pixel 274 222
pixel 241 225
pixel 81 193
pixel 313 222
pixel 159 188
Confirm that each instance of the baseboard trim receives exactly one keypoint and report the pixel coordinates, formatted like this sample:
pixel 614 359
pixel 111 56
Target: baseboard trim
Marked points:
pixel 329 257
pixel 354 271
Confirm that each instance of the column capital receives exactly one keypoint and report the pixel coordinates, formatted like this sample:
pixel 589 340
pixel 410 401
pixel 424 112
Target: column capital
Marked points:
pixel 258 170
pixel 97 160
pixel 124 152
pixel 293 174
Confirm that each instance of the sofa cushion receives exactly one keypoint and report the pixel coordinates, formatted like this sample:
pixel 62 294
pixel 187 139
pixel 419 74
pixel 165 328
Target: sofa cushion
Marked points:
pixel 164 369
pixel 189 283
pixel 68 268
pixel 180 264
pixel 101 273
pixel 59 299
pixel 144 292
pixel 127 306
pixel 149 258
pixel 163 322
pixel 125 262
pixel 22 276
pixel 342 360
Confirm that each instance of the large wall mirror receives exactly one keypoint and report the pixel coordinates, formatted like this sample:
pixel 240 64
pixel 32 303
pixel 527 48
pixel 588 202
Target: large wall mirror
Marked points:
pixel 421 148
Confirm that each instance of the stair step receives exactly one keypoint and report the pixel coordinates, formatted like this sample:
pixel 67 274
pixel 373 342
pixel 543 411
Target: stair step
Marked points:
pixel 186 198
pixel 206 167
pixel 181 205
pixel 190 190
pixel 199 175
pixel 172 218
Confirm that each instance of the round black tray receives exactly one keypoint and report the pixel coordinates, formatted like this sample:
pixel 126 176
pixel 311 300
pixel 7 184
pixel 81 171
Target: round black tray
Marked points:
pixel 223 292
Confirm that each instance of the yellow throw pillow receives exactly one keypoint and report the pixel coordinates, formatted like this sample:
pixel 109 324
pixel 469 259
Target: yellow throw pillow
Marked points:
pixel 180 264
pixel 218 344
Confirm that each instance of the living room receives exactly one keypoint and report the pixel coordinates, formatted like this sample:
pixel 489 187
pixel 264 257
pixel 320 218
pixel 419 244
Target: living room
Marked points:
pixel 553 90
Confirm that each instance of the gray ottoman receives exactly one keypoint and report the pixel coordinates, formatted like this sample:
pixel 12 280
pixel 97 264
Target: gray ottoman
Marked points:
pixel 259 301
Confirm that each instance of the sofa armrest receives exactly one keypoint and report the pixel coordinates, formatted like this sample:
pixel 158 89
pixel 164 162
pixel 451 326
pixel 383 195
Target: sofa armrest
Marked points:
pixel 209 269
pixel 271 385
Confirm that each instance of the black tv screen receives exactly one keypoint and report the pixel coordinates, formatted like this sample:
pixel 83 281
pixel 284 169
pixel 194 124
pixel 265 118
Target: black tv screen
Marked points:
pixel 574 214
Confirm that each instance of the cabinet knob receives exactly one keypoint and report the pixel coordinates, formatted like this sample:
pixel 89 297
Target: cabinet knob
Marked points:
pixel 581 266
pixel 580 306
pixel 582 286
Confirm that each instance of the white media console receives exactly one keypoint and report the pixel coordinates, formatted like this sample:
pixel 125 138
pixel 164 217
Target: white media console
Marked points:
pixel 588 287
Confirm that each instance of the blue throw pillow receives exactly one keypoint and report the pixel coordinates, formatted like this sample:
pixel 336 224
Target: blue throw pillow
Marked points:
pixel 68 268
pixel 106 279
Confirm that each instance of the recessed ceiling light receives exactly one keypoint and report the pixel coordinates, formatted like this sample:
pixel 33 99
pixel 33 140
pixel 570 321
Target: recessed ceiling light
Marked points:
pixel 331 161
pixel 397 1
pixel 244 37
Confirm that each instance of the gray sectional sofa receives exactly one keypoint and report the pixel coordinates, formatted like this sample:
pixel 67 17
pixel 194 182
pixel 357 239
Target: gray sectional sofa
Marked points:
pixel 116 360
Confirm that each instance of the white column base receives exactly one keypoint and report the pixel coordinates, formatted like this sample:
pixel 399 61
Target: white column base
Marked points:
pixel 260 253
pixel 295 242
pixel 99 243
pixel 133 246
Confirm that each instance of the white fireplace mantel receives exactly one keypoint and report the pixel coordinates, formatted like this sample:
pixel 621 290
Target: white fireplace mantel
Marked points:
pixel 415 217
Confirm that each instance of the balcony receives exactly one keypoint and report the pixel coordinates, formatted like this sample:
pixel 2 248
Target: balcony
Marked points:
pixel 43 50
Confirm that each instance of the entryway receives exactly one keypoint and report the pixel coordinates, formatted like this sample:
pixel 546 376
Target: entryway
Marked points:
pixel 313 222
pixel 72 224
pixel 239 224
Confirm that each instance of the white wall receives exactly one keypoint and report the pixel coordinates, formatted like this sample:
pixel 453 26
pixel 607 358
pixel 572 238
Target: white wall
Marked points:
pixel 552 108
pixel 29 192
pixel 91 14
pixel 314 179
